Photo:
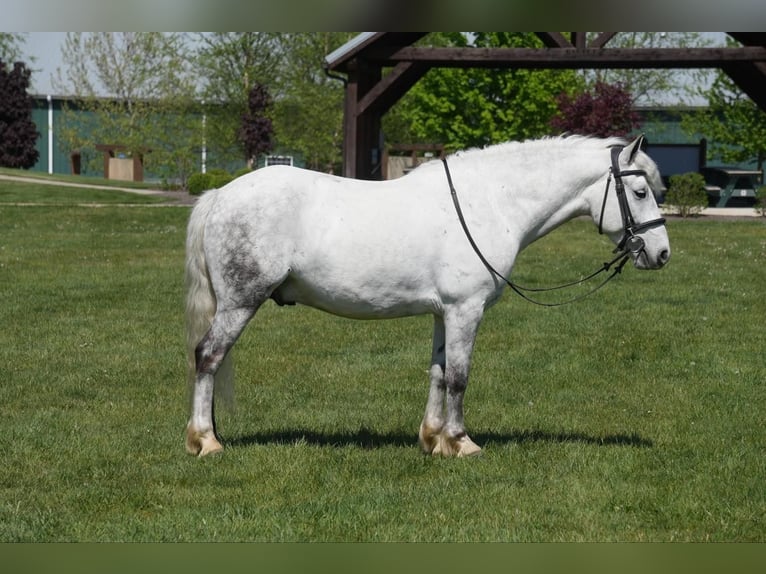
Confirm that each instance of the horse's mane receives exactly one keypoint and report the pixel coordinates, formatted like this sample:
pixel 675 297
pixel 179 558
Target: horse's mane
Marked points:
pixel 554 143
pixel 558 144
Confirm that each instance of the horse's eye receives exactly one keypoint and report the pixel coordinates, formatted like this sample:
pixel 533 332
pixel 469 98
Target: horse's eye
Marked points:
pixel 640 193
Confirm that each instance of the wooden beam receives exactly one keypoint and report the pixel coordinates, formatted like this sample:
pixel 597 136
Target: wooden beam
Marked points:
pixel 391 88
pixel 578 39
pixel 749 38
pixel 554 40
pixel 559 58
pixel 601 40
pixel 751 78
pixel 350 143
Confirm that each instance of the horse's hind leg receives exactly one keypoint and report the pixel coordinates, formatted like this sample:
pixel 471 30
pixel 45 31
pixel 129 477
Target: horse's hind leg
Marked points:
pixel 433 420
pixel 227 325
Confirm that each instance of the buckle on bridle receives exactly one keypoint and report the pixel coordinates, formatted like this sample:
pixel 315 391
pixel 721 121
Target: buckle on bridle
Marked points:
pixel 632 243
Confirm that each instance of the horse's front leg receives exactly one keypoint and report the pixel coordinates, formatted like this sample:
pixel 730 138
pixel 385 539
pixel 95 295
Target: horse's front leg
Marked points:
pixel 460 328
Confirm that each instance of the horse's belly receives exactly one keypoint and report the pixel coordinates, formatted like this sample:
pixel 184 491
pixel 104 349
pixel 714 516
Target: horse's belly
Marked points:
pixel 370 301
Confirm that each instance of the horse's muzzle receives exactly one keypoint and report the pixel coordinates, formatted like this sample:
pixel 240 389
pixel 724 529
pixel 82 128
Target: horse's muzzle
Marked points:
pixel 651 259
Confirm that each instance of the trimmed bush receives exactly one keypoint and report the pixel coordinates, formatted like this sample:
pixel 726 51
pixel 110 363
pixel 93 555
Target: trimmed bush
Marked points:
pixel 199 183
pixel 242 171
pixel 213 179
pixel 686 193
pixel 219 180
pixel 760 200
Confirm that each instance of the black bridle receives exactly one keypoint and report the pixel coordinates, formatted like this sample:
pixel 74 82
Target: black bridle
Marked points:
pixel 630 243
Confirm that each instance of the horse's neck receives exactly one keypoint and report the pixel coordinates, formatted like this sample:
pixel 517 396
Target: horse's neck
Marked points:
pixel 548 193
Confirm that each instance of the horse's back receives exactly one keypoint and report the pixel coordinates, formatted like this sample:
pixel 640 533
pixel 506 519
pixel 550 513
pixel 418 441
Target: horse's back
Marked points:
pixel 310 200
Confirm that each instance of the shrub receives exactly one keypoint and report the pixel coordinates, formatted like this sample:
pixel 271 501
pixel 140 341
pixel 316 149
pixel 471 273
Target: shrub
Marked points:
pixel 219 180
pixel 199 182
pixel 242 171
pixel 686 193
pixel 213 179
pixel 760 200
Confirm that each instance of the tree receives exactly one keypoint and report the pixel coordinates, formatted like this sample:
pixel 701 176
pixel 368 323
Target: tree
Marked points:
pixel 256 130
pixel 606 111
pixel 686 193
pixel 139 92
pixel 17 130
pixel 733 124
pixel 10 46
pixel 229 64
pixel 476 107
pixel 308 113
pixel 652 87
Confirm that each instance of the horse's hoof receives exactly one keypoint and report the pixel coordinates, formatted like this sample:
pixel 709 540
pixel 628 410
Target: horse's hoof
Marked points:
pixel 457 447
pixel 466 447
pixel 202 443
pixel 213 447
pixel 429 439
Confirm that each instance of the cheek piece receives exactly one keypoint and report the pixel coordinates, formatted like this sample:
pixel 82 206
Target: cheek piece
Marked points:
pixel 630 241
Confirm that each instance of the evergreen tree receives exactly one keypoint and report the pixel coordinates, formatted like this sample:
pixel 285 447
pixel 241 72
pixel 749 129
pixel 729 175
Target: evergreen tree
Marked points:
pixel 17 130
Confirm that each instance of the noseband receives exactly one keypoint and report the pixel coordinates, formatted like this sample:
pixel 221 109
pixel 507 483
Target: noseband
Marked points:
pixel 630 242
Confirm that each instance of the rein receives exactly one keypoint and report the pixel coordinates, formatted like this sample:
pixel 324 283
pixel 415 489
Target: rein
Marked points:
pixel 630 242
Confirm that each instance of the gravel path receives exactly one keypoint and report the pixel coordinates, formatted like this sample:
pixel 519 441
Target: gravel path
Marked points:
pixel 173 197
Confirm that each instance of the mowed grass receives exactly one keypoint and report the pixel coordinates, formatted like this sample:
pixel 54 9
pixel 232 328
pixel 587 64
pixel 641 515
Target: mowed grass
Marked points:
pixel 637 414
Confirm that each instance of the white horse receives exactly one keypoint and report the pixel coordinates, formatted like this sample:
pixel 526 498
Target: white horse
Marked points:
pixel 375 250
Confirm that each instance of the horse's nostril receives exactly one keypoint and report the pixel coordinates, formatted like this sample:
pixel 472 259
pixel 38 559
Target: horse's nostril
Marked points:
pixel 664 256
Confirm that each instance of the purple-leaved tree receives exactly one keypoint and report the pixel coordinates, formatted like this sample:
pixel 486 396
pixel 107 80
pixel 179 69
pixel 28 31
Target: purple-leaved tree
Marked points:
pixel 18 134
pixel 256 129
pixel 605 111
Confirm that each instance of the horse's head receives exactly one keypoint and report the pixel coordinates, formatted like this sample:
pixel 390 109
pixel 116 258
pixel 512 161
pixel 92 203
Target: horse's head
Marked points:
pixel 628 211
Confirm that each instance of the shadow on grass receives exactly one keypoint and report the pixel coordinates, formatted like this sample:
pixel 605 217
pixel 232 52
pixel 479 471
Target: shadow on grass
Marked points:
pixel 367 439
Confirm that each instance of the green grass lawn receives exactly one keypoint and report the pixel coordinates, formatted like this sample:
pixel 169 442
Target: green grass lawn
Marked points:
pixel 635 415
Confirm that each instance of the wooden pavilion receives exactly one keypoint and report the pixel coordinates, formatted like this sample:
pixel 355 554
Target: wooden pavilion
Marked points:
pixel 370 93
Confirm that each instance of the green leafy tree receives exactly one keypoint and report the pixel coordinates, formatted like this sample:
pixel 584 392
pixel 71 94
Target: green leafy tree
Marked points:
pixel 17 130
pixel 733 124
pixel 137 91
pixel 475 107
pixel 229 65
pixel 650 86
pixel 309 112
pixel 11 46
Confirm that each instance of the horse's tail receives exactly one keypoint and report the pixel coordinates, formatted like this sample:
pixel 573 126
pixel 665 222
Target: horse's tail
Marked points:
pixel 200 299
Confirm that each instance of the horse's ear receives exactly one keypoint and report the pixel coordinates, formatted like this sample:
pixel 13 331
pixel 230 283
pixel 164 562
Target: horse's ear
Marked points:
pixel 633 148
